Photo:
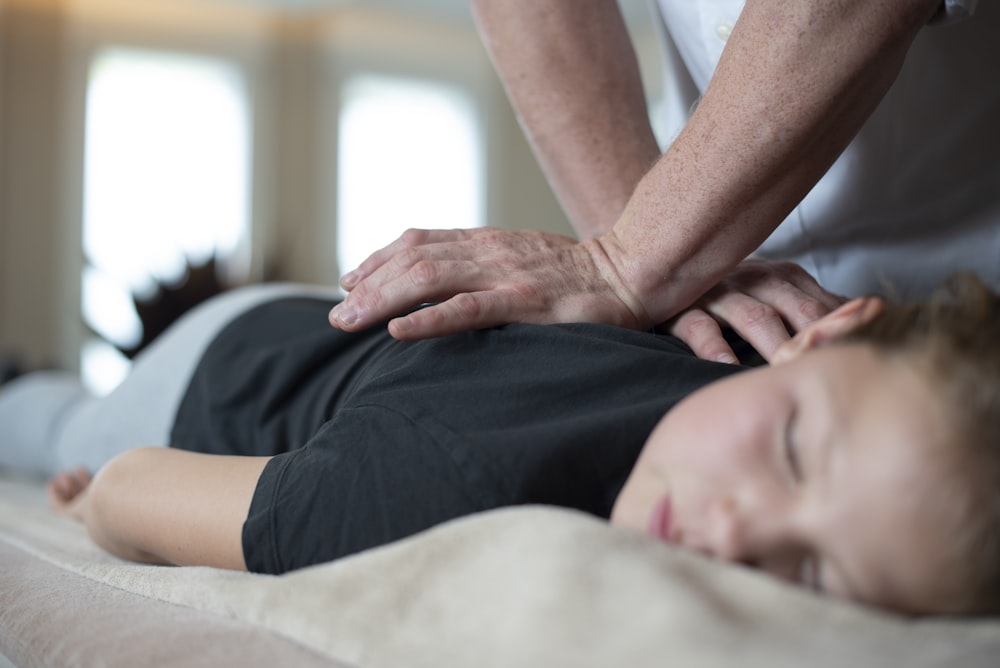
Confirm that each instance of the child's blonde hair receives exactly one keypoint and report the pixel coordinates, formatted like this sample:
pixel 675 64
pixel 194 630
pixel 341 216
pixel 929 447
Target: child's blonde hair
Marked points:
pixel 955 339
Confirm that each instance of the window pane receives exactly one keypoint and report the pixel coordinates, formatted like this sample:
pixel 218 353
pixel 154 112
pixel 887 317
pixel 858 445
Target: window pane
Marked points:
pixel 410 156
pixel 166 177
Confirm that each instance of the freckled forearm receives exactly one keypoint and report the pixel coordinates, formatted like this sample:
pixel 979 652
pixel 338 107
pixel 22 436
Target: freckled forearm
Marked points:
pixel 795 84
pixel 571 74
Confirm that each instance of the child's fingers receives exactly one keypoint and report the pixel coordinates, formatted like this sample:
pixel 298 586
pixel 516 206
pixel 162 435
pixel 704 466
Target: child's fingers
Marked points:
pixel 66 486
pixel 57 491
pixel 82 476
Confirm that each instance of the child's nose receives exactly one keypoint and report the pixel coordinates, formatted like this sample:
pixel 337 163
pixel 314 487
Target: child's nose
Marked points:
pixel 725 535
pixel 734 536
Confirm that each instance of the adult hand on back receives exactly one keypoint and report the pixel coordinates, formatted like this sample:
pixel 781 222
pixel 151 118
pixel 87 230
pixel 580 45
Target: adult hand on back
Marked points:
pixel 764 301
pixel 484 277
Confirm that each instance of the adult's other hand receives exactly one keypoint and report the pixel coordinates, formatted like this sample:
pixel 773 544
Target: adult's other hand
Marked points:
pixel 486 277
pixel 764 301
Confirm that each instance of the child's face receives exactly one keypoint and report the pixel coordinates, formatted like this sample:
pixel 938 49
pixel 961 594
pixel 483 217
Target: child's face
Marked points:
pixel 822 470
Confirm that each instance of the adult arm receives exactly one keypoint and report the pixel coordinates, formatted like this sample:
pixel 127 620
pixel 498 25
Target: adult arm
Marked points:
pixel 165 506
pixel 571 74
pixel 794 85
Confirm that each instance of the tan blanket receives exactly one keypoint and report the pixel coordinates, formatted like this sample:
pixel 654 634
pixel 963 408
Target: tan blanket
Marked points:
pixel 517 587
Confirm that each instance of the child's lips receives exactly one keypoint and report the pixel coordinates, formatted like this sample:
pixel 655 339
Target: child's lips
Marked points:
pixel 661 521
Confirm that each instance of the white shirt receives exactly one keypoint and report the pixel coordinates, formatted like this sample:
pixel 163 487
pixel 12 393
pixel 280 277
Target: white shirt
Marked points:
pixel 916 195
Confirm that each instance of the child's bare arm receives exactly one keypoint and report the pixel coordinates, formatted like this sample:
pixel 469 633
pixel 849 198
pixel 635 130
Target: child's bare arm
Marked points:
pixel 167 506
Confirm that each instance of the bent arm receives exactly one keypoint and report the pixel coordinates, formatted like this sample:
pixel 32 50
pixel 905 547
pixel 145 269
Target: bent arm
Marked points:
pixel 167 506
pixel 571 74
pixel 795 84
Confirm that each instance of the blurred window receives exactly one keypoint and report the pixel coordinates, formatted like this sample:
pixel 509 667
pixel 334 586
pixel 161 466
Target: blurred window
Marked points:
pixel 410 155
pixel 166 183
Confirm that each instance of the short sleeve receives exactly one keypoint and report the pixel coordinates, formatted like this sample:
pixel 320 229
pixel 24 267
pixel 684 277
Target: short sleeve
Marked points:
pixel 370 476
pixel 951 11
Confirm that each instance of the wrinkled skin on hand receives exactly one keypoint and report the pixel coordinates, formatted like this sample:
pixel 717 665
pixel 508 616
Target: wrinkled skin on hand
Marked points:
pixel 764 301
pixel 486 277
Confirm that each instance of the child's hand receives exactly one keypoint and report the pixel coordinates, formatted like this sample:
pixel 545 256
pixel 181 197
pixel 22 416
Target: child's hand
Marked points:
pixel 68 492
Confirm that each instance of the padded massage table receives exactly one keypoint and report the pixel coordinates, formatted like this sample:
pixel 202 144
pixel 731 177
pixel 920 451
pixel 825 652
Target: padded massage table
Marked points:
pixel 526 586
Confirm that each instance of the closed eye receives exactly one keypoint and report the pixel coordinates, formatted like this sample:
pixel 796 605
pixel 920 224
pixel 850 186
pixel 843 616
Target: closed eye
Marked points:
pixel 792 449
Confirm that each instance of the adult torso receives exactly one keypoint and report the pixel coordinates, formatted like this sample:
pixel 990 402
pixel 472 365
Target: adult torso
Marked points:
pixel 917 193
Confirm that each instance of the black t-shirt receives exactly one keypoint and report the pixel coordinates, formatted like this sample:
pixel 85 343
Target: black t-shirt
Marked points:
pixel 376 439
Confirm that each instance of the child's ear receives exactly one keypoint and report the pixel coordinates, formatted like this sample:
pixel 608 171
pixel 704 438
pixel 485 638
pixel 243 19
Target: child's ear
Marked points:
pixel 835 324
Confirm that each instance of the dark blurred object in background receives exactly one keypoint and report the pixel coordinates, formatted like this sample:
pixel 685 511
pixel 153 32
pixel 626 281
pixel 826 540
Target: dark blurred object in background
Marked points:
pixel 199 283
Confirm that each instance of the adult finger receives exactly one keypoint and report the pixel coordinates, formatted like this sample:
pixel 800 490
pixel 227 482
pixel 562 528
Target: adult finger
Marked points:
pixel 786 287
pixel 402 284
pixel 411 238
pixel 795 307
pixel 541 268
pixel 467 310
pixel 491 277
pixel 759 323
pixel 703 335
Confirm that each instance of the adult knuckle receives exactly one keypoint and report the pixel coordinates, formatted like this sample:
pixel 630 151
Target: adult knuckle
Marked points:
pixel 369 299
pixel 413 237
pixel 424 273
pixel 810 310
pixel 699 326
pixel 528 294
pixel 407 258
pixel 466 306
pixel 494 240
pixel 758 315
pixel 790 272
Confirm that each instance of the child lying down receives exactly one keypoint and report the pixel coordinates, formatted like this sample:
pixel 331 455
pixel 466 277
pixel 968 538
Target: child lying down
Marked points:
pixel 862 463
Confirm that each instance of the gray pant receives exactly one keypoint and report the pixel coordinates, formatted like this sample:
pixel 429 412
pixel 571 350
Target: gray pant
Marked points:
pixel 49 422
